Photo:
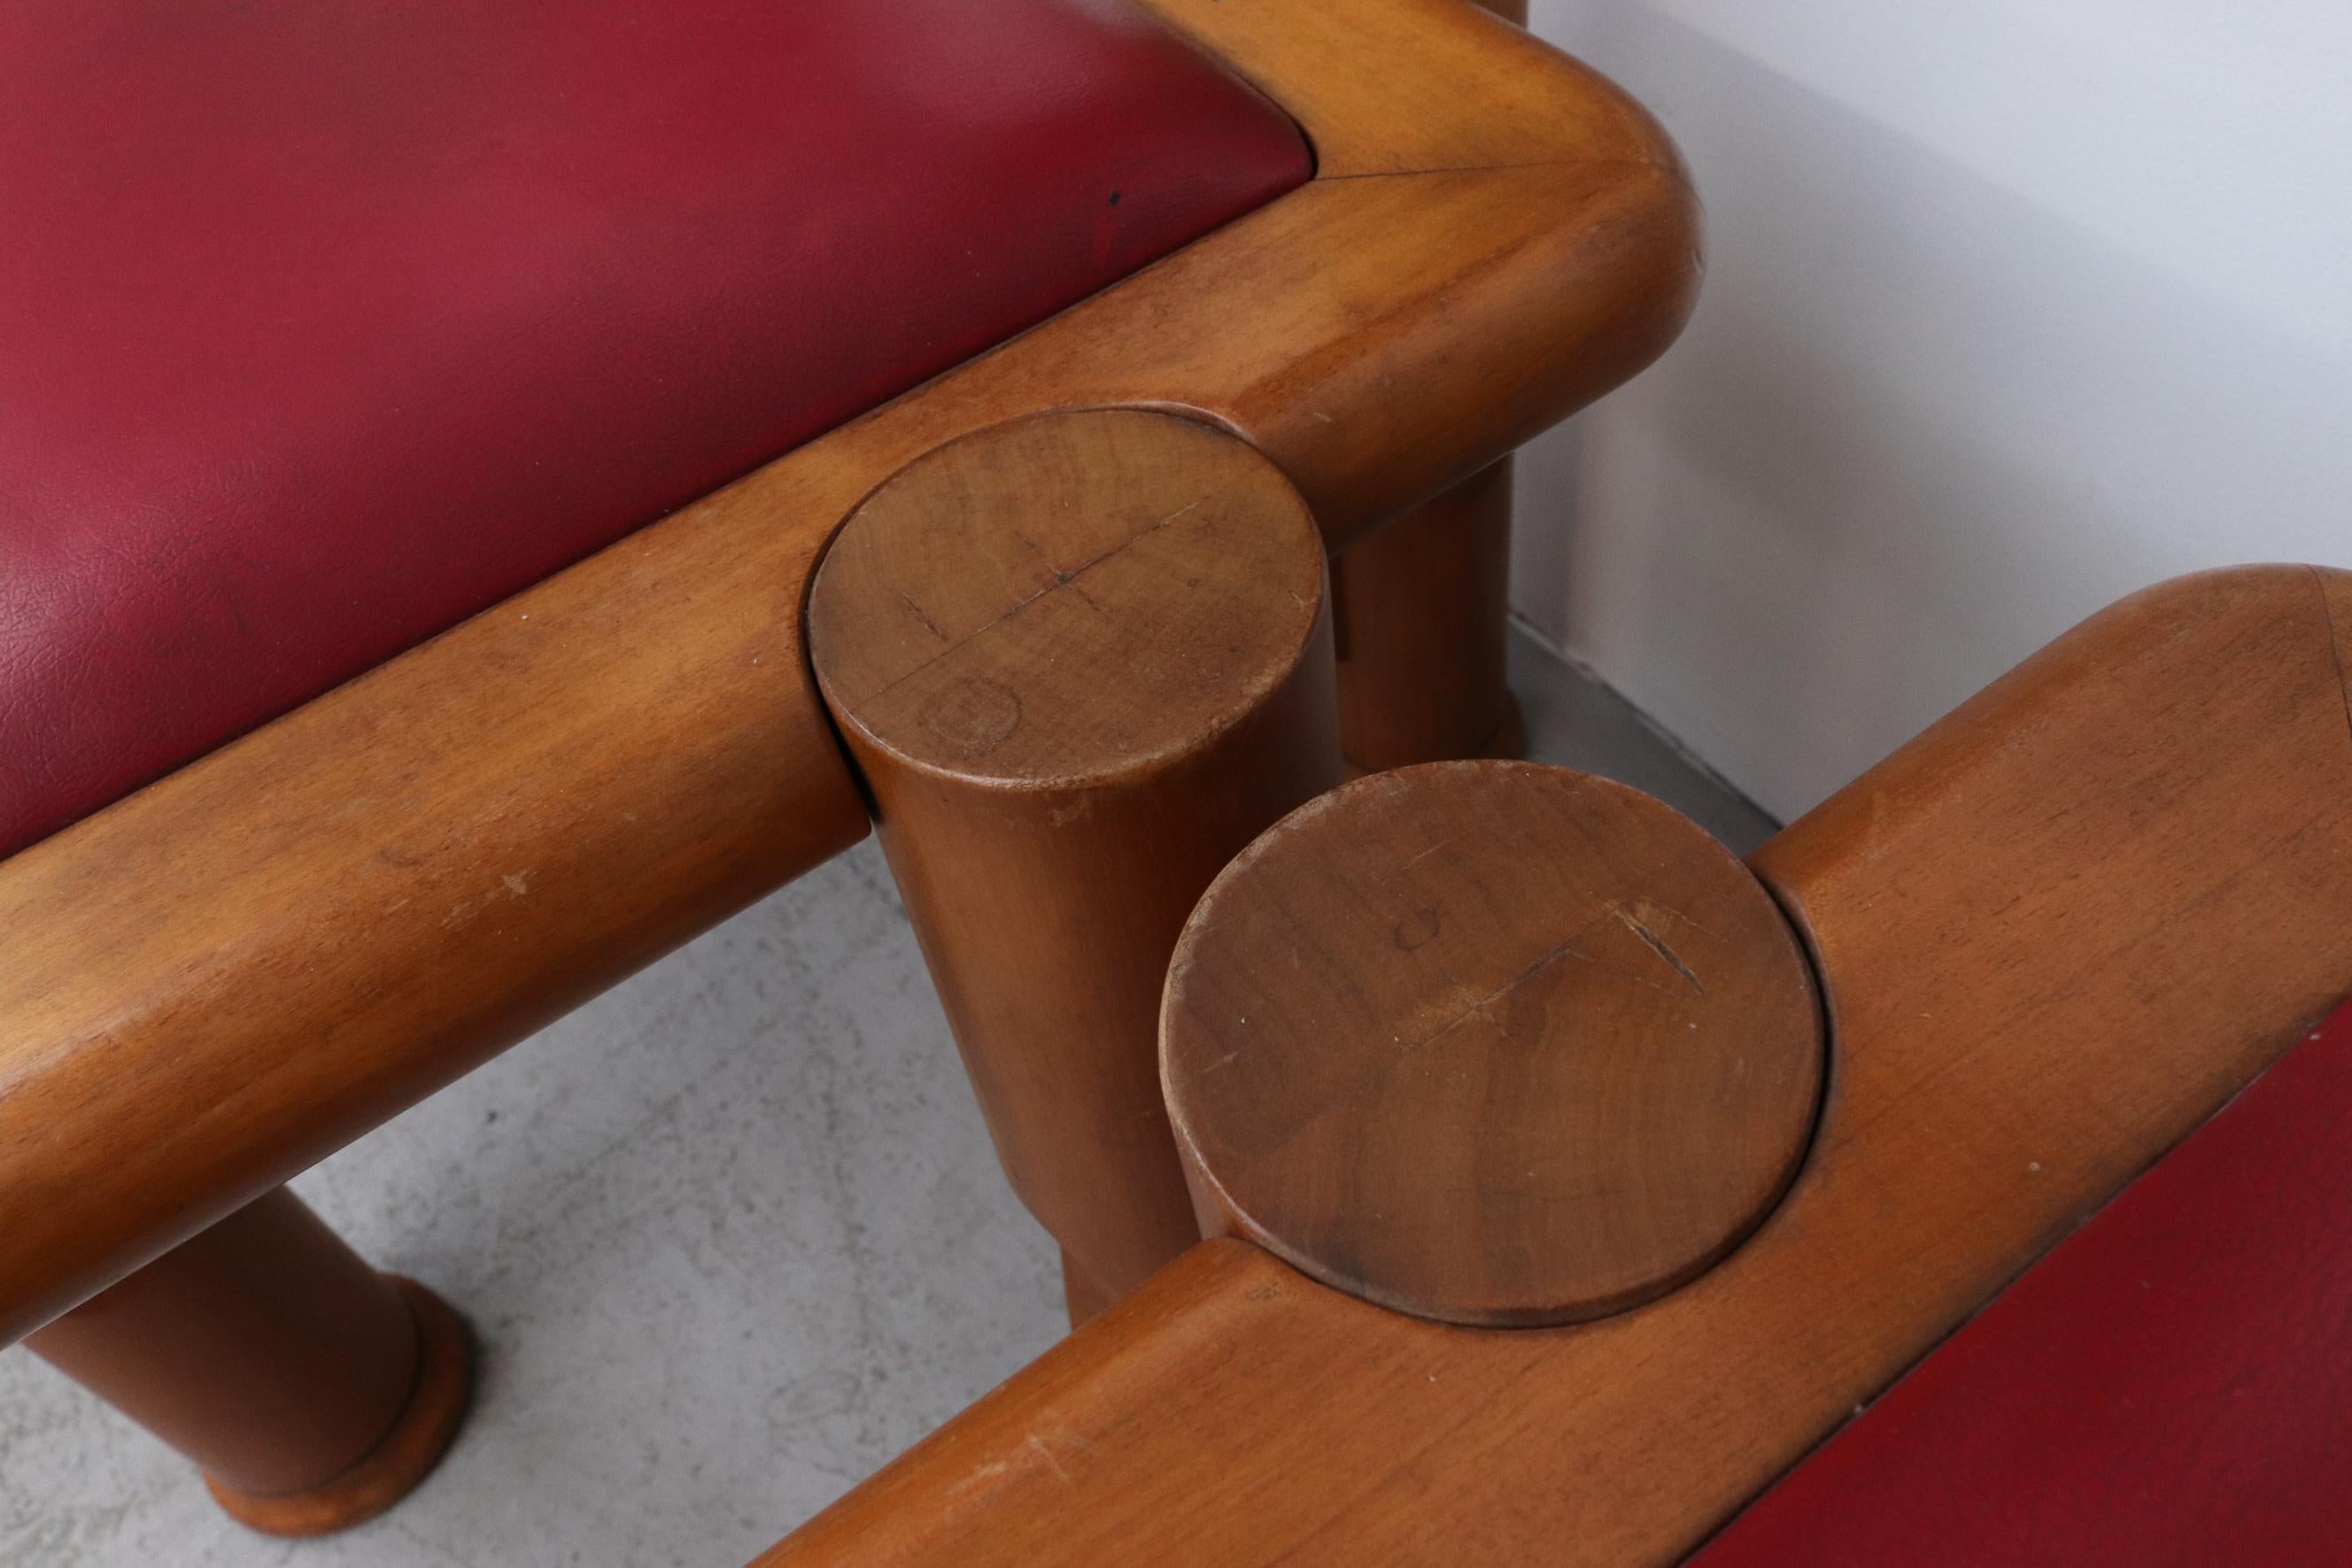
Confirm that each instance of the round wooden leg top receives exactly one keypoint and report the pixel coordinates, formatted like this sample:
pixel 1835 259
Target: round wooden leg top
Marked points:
pixel 405 1455
pixel 1491 1043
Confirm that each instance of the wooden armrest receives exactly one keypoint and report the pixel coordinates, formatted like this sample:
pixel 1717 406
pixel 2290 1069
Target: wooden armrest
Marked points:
pixel 2054 932
pixel 229 975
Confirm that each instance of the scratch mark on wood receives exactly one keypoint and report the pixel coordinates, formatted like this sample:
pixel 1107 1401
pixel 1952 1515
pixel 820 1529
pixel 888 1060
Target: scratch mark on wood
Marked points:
pixel 1657 944
pixel 1046 1454
pixel 928 624
pixel 1440 845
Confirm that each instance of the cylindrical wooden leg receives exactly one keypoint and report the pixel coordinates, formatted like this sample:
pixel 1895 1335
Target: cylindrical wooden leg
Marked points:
pixel 1421 612
pixel 1081 660
pixel 312 1392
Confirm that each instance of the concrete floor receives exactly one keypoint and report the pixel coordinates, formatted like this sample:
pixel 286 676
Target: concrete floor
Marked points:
pixel 731 1237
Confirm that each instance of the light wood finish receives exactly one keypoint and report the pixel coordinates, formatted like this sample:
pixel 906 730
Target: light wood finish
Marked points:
pixel 2056 931
pixel 219 980
pixel 313 1392
pixel 1490 1043
pixel 1081 660
pixel 1423 613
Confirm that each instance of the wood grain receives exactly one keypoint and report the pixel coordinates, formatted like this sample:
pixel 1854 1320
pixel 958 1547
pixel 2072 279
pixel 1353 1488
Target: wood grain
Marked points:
pixel 226 976
pixel 1490 1043
pixel 2056 933
pixel 1081 660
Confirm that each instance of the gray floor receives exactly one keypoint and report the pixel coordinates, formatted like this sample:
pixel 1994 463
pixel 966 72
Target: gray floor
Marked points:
pixel 731 1237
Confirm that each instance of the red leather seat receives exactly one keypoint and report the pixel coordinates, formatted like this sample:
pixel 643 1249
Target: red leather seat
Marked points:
pixel 2171 1385
pixel 325 326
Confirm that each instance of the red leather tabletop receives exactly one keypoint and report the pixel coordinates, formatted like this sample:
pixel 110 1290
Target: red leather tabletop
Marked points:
pixel 2172 1384
pixel 324 326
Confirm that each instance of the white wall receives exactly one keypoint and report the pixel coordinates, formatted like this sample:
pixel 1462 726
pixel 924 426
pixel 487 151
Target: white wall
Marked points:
pixel 2011 308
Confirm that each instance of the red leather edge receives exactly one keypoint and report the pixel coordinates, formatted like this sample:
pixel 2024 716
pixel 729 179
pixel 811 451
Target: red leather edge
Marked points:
pixel 2171 1385
pixel 325 327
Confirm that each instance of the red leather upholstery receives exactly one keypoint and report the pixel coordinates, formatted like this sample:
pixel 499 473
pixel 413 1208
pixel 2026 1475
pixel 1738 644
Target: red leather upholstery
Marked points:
pixel 2172 1385
pixel 323 326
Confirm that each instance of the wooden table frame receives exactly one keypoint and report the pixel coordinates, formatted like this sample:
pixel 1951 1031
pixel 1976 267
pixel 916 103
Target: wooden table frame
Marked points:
pixel 226 976
pixel 220 979
pixel 2053 934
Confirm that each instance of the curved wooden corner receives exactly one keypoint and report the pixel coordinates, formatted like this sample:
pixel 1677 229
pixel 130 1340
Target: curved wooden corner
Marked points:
pixel 1540 245
pixel 1506 299
pixel 1391 87
pixel 224 977
pixel 2056 933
